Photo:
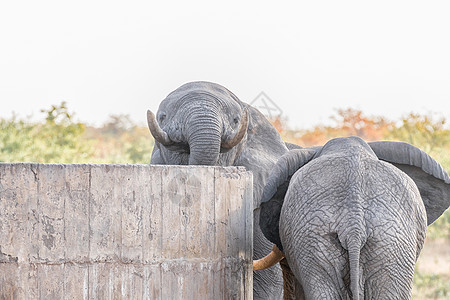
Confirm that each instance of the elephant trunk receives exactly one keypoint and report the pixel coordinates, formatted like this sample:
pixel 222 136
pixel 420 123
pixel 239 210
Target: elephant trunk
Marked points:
pixel 268 261
pixel 204 134
pixel 202 131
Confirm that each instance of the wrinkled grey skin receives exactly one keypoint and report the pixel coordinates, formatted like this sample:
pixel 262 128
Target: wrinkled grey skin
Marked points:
pixel 353 219
pixel 198 116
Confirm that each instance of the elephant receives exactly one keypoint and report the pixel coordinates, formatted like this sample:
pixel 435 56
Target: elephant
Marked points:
pixel 203 123
pixel 350 217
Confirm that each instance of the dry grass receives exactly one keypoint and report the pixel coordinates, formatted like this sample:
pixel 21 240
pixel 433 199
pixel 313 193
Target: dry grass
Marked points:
pixel 432 277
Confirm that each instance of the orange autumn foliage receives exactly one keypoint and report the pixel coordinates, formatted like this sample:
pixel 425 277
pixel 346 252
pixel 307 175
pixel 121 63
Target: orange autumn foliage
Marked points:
pixel 348 122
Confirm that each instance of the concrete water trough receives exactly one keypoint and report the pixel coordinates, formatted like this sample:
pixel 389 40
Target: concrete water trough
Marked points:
pixel 72 231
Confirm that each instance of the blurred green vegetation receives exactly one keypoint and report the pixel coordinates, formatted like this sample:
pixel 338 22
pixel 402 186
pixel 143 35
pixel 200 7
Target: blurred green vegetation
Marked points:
pixel 59 139
pixel 430 286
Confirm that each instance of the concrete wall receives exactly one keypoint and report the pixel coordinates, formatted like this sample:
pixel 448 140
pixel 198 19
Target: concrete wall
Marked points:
pixel 125 232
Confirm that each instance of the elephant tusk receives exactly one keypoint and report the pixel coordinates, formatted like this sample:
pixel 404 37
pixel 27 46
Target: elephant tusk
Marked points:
pixel 159 134
pixel 233 141
pixel 268 261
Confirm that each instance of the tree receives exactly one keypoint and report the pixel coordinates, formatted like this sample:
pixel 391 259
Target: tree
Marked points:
pixel 423 131
pixel 15 140
pixel 348 122
pixel 353 122
pixel 120 140
pixel 56 140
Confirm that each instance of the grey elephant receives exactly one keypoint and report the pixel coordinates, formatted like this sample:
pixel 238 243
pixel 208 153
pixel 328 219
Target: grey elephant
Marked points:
pixel 203 123
pixel 350 217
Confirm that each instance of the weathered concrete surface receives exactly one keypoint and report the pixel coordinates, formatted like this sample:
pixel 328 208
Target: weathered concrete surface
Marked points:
pixel 125 232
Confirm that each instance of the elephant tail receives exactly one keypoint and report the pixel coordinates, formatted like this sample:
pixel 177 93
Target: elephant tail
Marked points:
pixel 354 251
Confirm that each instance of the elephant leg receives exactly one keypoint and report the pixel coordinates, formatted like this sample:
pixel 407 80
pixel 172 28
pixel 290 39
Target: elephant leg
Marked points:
pixel 267 284
pixel 389 271
pixel 320 286
pixel 320 264
pixel 292 288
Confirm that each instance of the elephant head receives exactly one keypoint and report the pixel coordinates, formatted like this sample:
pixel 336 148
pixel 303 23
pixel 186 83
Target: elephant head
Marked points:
pixel 203 123
pixel 196 123
pixel 355 194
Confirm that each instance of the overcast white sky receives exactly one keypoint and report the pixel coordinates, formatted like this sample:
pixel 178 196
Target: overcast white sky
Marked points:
pixel 104 57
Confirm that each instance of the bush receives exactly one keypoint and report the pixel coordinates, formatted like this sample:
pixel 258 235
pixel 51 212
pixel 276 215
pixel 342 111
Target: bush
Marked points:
pixel 430 286
pixel 58 139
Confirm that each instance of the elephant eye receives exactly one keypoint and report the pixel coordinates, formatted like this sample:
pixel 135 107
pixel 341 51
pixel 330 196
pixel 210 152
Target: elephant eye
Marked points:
pixel 162 117
pixel 236 120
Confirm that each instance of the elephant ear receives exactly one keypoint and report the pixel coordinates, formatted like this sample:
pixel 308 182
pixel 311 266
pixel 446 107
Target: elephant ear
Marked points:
pixel 431 179
pixel 292 146
pixel 276 188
